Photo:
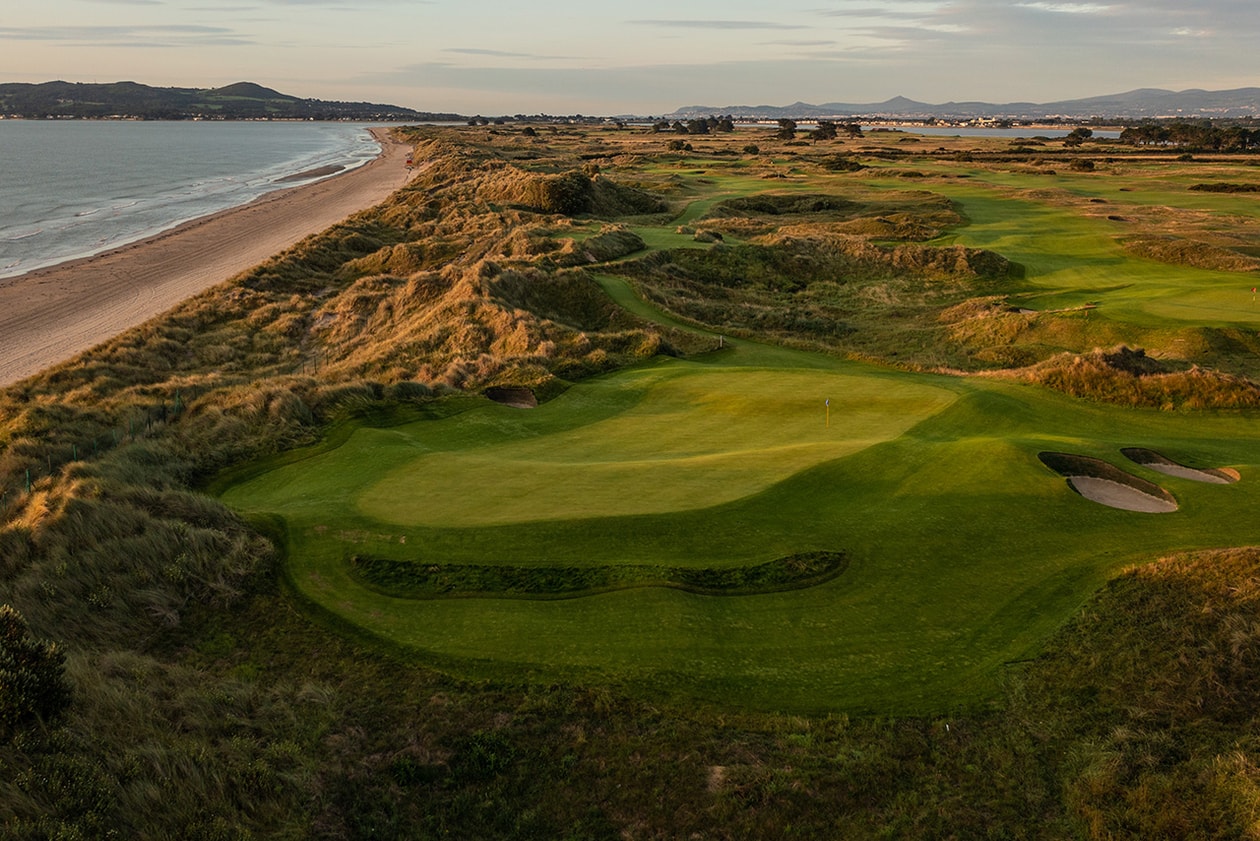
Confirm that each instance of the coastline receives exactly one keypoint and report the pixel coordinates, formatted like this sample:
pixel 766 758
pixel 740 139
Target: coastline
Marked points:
pixel 51 314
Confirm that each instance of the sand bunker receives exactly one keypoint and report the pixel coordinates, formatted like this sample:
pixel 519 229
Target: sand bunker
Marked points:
pixel 1162 464
pixel 1106 484
pixel 517 398
pixel 1119 495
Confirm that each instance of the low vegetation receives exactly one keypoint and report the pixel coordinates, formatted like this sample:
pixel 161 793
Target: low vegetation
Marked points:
pixel 411 580
pixel 203 696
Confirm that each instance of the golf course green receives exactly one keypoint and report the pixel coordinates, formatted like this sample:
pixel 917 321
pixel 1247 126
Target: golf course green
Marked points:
pixel 963 551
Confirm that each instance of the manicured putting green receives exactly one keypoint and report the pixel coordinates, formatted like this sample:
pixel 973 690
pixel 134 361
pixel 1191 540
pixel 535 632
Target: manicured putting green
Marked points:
pixel 684 437
pixel 964 551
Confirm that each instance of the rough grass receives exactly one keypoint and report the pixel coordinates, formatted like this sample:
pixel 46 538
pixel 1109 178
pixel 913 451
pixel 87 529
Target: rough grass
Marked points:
pixel 1113 377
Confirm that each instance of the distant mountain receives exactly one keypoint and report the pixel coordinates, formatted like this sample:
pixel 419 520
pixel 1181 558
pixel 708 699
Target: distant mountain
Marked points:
pixel 1137 104
pixel 241 101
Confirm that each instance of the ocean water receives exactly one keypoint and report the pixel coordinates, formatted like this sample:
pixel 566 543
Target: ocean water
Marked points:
pixel 72 188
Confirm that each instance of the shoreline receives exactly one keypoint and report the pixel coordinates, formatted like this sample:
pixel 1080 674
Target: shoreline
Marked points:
pixel 49 315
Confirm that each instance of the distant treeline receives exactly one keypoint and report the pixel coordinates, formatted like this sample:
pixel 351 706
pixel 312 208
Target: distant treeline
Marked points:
pixel 1193 134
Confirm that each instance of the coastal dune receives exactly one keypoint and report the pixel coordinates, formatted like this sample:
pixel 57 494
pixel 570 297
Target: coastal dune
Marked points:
pixel 50 315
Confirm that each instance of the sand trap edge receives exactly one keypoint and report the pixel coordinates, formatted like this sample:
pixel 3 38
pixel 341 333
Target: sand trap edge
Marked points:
pixel 1106 484
pixel 1162 464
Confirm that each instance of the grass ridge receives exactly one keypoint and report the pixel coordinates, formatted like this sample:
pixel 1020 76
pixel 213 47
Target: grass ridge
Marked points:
pixel 412 580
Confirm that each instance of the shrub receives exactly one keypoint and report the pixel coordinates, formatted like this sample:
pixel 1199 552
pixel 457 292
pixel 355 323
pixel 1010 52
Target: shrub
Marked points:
pixel 32 674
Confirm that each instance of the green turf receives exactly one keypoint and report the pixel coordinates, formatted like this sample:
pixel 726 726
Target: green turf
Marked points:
pixel 964 551
pixel 1072 259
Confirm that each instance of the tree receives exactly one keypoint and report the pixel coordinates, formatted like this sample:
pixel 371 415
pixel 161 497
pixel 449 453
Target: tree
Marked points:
pixel 1078 136
pixel 32 674
pixel 787 129
pixel 697 127
pixel 826 131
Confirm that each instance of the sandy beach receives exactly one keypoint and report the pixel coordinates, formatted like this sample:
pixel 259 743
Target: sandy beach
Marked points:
pixel 50 315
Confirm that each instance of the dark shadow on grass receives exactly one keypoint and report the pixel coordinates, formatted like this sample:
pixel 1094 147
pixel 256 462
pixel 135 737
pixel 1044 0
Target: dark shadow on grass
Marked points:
pixel 412 580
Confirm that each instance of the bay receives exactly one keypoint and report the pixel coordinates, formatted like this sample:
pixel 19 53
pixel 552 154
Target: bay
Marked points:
pixel 72 188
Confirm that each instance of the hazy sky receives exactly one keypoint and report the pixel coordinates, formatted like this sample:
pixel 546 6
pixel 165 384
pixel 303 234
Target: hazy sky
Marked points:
pixel 643 56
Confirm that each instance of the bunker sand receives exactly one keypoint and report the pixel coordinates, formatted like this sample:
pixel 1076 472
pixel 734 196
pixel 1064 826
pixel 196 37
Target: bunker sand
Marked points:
pixel 1162 464
pixel 50 315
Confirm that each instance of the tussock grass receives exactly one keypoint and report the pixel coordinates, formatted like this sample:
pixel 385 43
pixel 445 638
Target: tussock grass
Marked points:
pixel 1185 252
pixel 1129 377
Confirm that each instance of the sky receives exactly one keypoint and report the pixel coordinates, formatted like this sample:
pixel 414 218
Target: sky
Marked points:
pixel 642 57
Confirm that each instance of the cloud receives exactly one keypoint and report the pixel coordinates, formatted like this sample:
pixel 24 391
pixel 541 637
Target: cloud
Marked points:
pixel 171 35
pixel 801 43
pixel 474 51
pixel 1066 8
pixel 717 24
pixel 910 11
pixel 506 54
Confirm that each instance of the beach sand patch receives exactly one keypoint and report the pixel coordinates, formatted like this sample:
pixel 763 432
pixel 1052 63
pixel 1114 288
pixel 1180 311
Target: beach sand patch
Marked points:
pixel 1162 464
pixel 1106 484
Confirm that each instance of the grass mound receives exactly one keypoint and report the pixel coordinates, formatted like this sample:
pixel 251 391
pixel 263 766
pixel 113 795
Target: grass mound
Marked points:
pixel 910 215
pixel 1225 187
pixel 780 204
pixel 1128 377
pixel 573 193
pixel 611 243
pixel 411 580
pixel 1154 685
pixel 1185 252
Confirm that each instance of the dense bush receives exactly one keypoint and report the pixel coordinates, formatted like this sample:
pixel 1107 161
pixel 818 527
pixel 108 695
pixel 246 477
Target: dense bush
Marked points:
pixel 32 675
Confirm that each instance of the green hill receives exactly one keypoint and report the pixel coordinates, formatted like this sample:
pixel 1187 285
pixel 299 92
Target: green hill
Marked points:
pixel 239 101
